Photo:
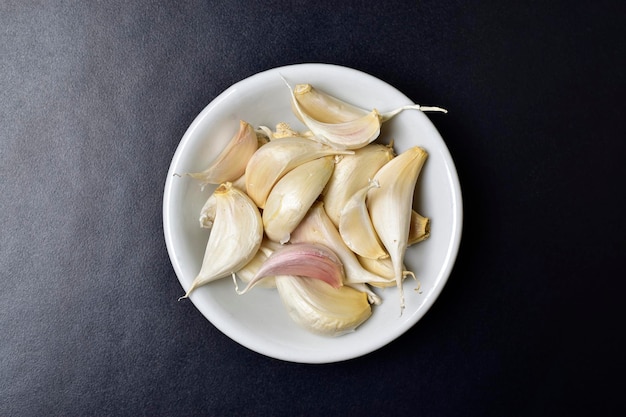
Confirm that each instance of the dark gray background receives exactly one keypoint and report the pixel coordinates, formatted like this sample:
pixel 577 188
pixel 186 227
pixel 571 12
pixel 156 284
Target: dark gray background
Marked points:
pixel 94 98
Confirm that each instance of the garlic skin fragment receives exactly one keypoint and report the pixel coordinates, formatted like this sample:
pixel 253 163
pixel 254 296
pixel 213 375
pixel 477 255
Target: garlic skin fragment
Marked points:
pixel 320 308
pixel 273 160
pixel 419 229
pixel 356 229
pixel 293 195
pixel 309 260
pixel 351 174
pixel 235 238
pixel 390 206
pixel 231 162
pixel 316 227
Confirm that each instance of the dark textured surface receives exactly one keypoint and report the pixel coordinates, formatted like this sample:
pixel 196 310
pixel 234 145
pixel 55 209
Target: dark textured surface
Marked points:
pixel 94 98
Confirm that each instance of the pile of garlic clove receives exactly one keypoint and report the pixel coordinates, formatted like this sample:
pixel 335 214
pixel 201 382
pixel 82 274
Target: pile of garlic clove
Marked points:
pixel 322 215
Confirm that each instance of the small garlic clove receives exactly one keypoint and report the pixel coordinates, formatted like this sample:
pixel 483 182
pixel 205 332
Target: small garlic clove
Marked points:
pixel 356 229
pixel 351 174
pixel 390 206
pixel 235 237
pixel 273 160
pixel 320 308
pixel 419 228
pixel 316 227
pixel 310 260
pixel 231 162
pixel 293 195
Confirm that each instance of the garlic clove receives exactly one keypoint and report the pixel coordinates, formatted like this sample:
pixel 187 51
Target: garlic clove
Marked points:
pixel 356 229
pixel 231 162
pixel 316 227
pixel 249 271
pixel 235 237
pixel 390 206
pixel 273 160
pixel 351 174
pixel 310 260
pixel 338 123
pixel 293 195
pixel 320 308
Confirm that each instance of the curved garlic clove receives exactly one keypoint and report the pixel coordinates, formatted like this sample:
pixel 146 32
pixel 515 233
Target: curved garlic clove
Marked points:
pixel 293 195
pixel 390 206
pixel 309 260
pixel 207 213
pixel 235 237
pixel 338 123
pixel 231 162
pixel 320 308
pixel 351 174
pixel 356 229
pixel 278 157
pixel 316 227
pixel 419 228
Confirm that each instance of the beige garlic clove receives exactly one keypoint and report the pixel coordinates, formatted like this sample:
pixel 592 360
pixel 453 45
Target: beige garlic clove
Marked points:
pixel 235 237
pixel 231 162
pixel 316 227
pixel 273 160
pixel 390 206
pixel 339 123
pixel 293 195
pixel 352 173
pixel 320 308
pixel 356 229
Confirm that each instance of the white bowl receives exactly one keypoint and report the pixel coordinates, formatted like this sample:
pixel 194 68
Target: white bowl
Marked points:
pixel 258 319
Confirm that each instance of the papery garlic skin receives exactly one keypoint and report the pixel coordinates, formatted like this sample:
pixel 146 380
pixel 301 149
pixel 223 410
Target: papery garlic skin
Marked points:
pixel 320 308
pixel 352 173
pixel 356 229
pixel 235 237
pixel 316 227
pixel 231 162
pixel 419 229
pixel 293 195
pixel 273 160
pixel 390 206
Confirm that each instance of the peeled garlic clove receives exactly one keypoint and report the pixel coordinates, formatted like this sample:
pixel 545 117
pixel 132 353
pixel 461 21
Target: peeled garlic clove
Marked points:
pixel 235 237
pixel 320 308
pixel 207 213
pixel 351 174
pixel 278 157
pixel 303 259
pixel 316 227
pixel 231 162
pixel 356 229
pixel 390 206
pixel 338 123
pixel 293 195
pixel 419 228
pixel 249 271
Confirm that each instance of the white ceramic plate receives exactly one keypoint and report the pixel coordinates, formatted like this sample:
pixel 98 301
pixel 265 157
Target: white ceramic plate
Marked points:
pixel 257 319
